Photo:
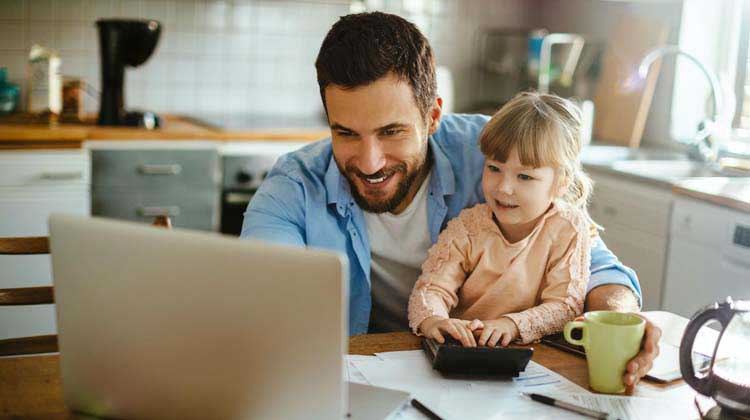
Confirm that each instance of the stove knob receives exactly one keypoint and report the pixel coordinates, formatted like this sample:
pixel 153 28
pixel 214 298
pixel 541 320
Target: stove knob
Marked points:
pixel 243 177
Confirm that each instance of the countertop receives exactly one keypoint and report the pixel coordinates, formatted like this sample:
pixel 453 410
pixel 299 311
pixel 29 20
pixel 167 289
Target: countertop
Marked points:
pixel 23 132
pixel 656 167
pixel 728 192
pixel 671 171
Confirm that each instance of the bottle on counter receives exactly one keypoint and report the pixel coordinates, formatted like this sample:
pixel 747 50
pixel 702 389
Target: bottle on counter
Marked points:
pixel 45 82
pixel 9 94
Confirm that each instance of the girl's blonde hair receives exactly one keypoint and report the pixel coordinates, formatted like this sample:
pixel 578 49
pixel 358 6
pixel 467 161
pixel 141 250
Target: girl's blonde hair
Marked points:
pixel 546 131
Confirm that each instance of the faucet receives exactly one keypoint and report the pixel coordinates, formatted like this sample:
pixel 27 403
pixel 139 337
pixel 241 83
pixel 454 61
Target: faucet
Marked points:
pixel 704 146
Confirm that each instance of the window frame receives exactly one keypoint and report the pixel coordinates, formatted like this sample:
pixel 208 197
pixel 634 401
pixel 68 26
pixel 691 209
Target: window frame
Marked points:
pixel 742 67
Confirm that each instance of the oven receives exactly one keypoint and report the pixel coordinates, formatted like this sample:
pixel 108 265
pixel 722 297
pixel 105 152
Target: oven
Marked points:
pixel 244 167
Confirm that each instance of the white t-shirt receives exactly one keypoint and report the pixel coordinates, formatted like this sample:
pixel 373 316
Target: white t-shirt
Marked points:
pixel 399 244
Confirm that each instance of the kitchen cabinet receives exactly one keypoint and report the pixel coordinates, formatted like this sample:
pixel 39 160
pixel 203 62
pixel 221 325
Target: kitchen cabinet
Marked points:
pixel 34 184
pixel 635 216
pixel 709 256
pixel 138 181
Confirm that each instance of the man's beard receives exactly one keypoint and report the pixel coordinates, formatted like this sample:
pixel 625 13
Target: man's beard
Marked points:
pixel 402 189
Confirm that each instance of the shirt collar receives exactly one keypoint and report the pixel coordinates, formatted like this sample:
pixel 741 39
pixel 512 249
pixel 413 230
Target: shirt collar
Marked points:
pixel 443 181
pixel 337 188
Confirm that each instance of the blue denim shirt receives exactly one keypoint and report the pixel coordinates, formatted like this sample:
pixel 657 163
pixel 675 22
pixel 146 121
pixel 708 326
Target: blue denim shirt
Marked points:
pixel 305 200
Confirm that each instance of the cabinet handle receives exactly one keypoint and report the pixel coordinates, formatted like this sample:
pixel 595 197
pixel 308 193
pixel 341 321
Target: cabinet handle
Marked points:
pixel 170 211
pixel 237 198
pixel 61 176
pixel 168 169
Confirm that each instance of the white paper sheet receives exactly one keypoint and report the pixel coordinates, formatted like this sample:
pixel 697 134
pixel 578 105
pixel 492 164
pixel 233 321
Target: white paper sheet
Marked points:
pixel 464 397
pixel 633 408
pixel 539 379
pixel 497 398
pixel 351 373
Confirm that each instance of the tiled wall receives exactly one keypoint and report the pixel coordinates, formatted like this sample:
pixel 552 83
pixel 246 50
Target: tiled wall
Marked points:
pixel 237 57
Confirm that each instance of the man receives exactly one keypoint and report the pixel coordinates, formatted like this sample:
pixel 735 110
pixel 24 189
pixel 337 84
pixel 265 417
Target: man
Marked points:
pixel 393 173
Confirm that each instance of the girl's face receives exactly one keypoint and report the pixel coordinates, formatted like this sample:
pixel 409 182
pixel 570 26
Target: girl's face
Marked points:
pixel 518 195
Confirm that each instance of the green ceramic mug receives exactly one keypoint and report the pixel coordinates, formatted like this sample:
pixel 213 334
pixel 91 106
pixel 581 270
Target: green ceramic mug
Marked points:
pixel 610 339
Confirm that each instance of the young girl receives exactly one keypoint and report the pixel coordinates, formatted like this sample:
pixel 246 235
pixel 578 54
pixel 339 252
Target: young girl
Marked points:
pixel 515 268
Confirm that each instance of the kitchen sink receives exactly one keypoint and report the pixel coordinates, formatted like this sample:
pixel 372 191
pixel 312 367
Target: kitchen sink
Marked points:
pixel 669 170
pixel 604 154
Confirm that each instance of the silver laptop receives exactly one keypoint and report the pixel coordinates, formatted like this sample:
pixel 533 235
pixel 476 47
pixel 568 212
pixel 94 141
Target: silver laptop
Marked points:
pixel 155 323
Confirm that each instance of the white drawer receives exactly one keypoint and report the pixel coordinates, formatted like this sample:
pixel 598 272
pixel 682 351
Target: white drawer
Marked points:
pixel 45 168
pixel 628 204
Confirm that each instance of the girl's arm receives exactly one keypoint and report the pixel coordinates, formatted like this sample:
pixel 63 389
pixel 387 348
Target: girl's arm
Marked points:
pixel 563 291
pixel 443 273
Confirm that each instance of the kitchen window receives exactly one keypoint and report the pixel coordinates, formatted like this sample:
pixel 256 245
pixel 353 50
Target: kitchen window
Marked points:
pixel 742 90
pixel 716 33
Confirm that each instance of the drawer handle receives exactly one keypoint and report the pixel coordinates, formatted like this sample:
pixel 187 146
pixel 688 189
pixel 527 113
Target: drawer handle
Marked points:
pixel 237 198
pixel 170 211
pixel 61 176
pixel 610 211
pixel 169 169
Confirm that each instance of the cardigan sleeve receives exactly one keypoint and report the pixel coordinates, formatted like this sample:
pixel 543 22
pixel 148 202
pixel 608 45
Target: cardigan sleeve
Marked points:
pixel 443 273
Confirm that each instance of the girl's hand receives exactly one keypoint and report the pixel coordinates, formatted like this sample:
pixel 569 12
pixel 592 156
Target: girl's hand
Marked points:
pixel 502 330
pixel 435 326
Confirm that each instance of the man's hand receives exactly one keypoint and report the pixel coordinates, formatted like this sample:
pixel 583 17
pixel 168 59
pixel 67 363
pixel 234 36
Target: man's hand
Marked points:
pixel 494 331
pixel 435 326
pixel 639 366
pixel 615 297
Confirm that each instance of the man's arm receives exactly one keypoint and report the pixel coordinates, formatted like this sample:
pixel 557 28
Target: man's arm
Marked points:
pixel 612 297
pixel 276 212
pixel 612 285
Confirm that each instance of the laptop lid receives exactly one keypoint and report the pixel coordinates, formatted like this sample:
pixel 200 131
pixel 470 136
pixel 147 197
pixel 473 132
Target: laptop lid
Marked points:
pixel 177 324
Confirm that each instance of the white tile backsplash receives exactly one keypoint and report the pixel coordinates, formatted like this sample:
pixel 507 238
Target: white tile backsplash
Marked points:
pixel 12 9
pixel 217 14
pixel 98 9
pixel 42 10
pixel 161 10
pixel 12 36
pixel 231 56
pixel 131 9
pixel 185 14
pixel 243 16
pixel 71 11
pixel 70 37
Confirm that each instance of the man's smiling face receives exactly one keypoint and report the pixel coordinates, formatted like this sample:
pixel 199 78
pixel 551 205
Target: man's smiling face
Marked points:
pixel 380 141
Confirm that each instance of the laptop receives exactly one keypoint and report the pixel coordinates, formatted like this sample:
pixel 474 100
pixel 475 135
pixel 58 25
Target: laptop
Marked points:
pixel 154 323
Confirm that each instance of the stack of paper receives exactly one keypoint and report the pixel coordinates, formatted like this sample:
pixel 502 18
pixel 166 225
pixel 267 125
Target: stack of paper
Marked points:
pixel 495 398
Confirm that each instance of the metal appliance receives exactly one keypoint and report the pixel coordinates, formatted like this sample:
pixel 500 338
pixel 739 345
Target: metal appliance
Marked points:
pixel 728 380
pixel 245 166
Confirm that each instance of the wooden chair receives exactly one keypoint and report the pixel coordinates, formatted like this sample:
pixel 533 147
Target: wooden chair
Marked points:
pixel 43 295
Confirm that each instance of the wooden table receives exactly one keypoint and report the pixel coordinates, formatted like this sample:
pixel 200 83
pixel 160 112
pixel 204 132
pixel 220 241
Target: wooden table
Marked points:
pixel 30 386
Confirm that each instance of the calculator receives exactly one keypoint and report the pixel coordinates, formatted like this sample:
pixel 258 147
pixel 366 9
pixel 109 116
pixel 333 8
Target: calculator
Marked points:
pixel 452 357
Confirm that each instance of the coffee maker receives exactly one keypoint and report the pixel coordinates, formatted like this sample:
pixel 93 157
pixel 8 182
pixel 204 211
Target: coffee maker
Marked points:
pixel 728 380
pixel 124 42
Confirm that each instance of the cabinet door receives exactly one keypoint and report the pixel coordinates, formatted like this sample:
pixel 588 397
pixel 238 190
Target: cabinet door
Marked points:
pixel 24 212
pixel 635 218
pixel 189 208
pixel 643 252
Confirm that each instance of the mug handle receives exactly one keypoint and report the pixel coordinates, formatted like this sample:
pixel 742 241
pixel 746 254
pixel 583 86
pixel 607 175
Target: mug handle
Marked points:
pixel 569 327
pixel 723 316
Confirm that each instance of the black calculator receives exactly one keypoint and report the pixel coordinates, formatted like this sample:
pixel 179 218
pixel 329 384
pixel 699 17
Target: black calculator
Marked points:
pixel 452 357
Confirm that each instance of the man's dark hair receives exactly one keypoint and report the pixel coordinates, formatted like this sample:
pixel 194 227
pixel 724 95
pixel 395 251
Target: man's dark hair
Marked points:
pixel 362 48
